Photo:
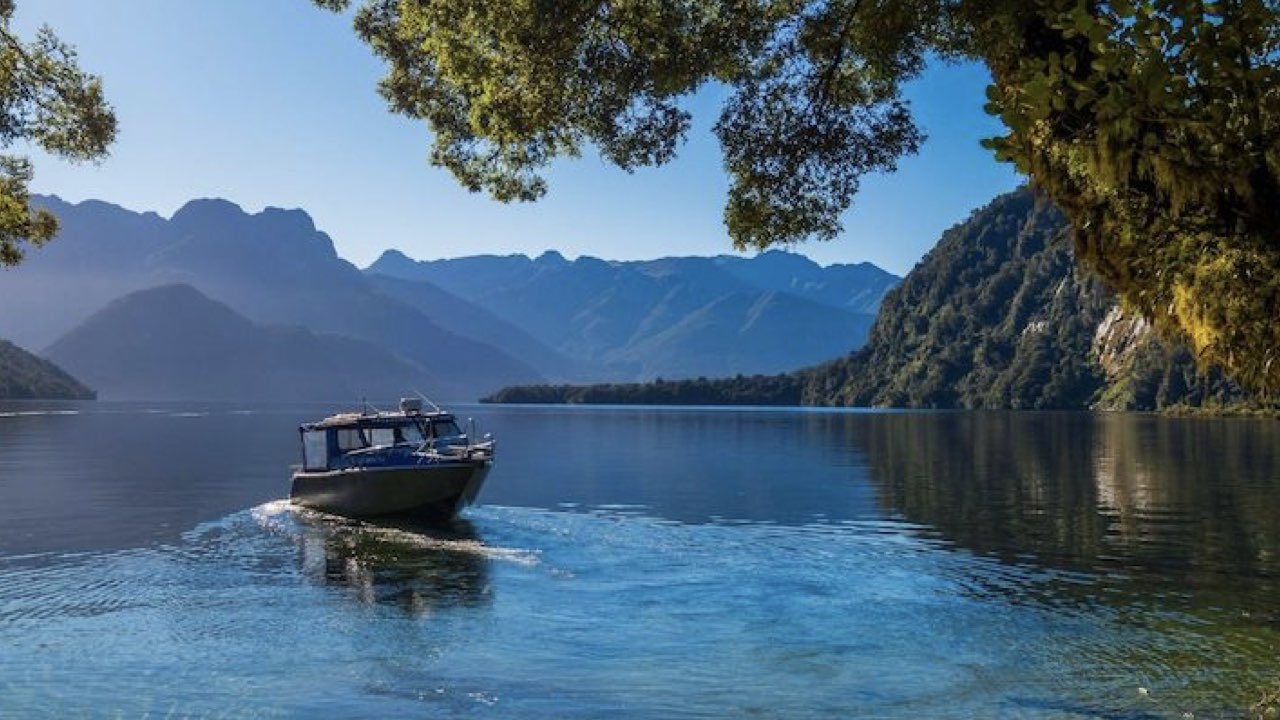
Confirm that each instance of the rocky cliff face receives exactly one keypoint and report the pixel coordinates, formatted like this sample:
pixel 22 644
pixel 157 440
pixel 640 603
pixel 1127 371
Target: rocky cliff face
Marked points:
pixel 1117 338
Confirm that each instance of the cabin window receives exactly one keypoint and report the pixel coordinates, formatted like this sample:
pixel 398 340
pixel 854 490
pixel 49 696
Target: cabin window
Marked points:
pixel 445 428
pixel 410 434
pixel 381 436
pixel 351 439
pixel 315 450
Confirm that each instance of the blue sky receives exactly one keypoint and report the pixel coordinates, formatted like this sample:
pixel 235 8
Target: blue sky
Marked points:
pixel 273 103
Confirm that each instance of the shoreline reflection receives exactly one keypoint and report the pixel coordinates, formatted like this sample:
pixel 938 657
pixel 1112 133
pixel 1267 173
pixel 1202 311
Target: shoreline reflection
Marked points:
pixel 1087 492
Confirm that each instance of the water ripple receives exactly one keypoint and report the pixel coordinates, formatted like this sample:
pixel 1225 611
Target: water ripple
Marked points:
pixel 82 585
pixel 882 616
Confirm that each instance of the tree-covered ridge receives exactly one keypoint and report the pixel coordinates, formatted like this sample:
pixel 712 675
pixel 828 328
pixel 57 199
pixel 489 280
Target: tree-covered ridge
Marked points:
pixel 24 376
pixel 998 315
pixel 994 316
pixel 1154 124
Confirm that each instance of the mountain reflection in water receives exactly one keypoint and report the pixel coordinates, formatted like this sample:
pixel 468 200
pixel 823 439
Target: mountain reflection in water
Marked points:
pixel 1183 509
pixel 1089 492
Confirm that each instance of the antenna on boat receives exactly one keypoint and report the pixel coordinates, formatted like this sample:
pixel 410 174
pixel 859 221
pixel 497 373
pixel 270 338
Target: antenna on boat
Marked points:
pixel 427 400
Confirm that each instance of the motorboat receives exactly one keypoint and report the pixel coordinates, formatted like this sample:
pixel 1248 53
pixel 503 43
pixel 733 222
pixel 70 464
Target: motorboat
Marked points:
pixel 408 462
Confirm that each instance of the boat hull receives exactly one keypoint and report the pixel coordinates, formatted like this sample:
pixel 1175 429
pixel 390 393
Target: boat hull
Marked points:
pixel 436 491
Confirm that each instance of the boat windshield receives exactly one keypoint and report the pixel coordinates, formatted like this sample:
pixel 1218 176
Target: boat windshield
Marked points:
pixel 445 428
pixel 410 433
pixel 372 437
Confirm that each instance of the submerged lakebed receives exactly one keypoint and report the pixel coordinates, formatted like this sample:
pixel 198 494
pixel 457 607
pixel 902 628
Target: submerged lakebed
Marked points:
pixel 650 563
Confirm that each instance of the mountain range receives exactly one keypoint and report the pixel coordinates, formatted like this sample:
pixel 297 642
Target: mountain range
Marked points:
pixel 237 298
pixel 998 315
pixel 272 268
pixel 671 317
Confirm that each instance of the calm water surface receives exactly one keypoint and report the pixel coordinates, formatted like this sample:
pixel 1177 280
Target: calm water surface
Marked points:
pixel 648 563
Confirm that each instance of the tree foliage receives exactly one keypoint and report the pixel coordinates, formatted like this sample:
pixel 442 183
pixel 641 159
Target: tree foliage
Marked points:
pixel 1152 123
pixel 508 85
pixel 45 99
pixel 1156 126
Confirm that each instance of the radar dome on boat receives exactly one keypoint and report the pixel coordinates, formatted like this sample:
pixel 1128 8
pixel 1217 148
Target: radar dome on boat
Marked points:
pixel 411 405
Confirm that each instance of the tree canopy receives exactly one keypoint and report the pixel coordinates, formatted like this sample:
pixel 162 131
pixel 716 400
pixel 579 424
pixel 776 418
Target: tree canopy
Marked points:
pixel 45 99
pixel 1152 123
pixel 1156 126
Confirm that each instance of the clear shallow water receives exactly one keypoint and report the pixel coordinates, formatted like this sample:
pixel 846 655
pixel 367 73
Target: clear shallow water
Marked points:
pixel 648 563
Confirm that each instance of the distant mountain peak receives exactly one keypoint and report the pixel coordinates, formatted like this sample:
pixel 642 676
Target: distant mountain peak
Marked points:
pixel 205 210
pixel 170 292
pixel 209 213
pixel 218 230
pixel 550 257
pixel 394 263
pixel 173 342
pixel 293 219
pixel 51 200
pixel 394 255
pixel 786 262
pixel 786 255
pixel 56 204
pixel 144 307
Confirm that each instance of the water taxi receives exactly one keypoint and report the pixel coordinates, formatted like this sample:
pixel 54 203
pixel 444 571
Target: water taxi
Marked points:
pixel 407 462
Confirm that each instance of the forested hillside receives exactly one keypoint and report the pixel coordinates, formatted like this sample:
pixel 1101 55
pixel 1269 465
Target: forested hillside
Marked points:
pixel 24 376
pixel 999 315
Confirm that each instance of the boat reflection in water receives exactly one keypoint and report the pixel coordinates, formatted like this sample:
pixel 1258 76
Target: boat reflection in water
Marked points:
pixel 417 567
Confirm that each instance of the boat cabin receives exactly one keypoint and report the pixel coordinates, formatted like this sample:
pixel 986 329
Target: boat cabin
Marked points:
pixel 364 439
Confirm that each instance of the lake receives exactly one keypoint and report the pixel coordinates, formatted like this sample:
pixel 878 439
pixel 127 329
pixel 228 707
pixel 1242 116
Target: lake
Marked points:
pixel 647 563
